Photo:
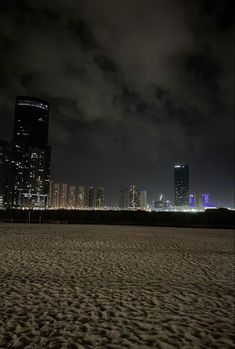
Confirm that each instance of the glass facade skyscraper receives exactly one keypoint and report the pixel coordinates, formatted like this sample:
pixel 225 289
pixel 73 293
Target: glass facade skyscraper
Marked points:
pixel 31 122
pixel 181 185
pixel 30 165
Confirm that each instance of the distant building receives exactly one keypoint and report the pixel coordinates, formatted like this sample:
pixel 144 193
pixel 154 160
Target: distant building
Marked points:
pixel 196 200
pixel 134 197
pixel 161 204
pixel 206 203
pixel 124 198
pixel 72 195
pixel 30 165
pixel 99 197
pixel 50 195
pixel 94 197
pixel 54 195
pixel 143 199
pixel 64 195
pixel 58 195
pixel 5 162
pixel 81 197
pixel 193 201
pixel 205 200
pixel 31 122
pixel 90 197
pixel 181 185
pixel 129 197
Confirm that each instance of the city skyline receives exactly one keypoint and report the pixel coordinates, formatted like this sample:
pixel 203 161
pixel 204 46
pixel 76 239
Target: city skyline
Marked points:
pixel 132 90
pixel 26 179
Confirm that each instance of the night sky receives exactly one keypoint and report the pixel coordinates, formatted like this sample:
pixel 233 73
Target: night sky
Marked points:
pixel 135 86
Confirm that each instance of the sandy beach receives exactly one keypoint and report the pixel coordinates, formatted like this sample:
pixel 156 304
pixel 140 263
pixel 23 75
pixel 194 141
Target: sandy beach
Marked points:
pixel 77 286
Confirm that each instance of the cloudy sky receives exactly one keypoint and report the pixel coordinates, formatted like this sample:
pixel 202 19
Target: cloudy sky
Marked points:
pixel 135 86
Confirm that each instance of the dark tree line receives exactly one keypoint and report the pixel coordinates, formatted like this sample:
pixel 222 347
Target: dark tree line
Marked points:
pixel 217 218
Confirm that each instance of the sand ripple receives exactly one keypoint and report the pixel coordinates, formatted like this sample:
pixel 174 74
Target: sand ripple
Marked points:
pixel 76 287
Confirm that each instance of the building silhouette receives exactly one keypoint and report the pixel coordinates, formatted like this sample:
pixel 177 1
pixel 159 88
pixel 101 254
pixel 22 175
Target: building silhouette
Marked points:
pixel 63 203
pixel 81 197
pixel 90 197
pixel 72 196
pixel 65 196
pixel 5 161
pixel 94 197
pixel 194 201
pixel 143 199
pixel 181 185
pixel 124 197
pixel 161 204
pixel 129 197
pixel 54 195
pixel 99 197
pixel 30 155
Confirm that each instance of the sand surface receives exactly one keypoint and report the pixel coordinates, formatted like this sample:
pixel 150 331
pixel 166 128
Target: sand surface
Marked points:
pixel 71 286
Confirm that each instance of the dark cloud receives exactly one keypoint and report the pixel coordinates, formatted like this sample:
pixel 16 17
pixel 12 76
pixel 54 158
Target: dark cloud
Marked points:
pixel 129 102
pixel 133 86
pixel 83 32
pixel 221 12
pixel 105 63
pixel 50 14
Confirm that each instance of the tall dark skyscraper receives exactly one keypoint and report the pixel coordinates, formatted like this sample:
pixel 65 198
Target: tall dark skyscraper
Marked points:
pixel 181 185
pixel 31 122
pixel 30 169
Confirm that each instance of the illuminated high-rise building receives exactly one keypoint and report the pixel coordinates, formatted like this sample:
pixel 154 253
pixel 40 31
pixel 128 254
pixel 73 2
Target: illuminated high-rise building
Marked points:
pixel 99 197
pixel 93 197
pixel 30 165
pixel 196 200
pixel 55 201
pixel 205 200
pixel 181 185
pixel 64 195
pixel 72 196
pixel 124 198
pixel 206 203
pixel 90 197
pixel 81 197
pixel 5 161
pixel 143 199
pixel 50 194
pixel 193 200
pixel 129 197
pixel 31 122
pixel 134 198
